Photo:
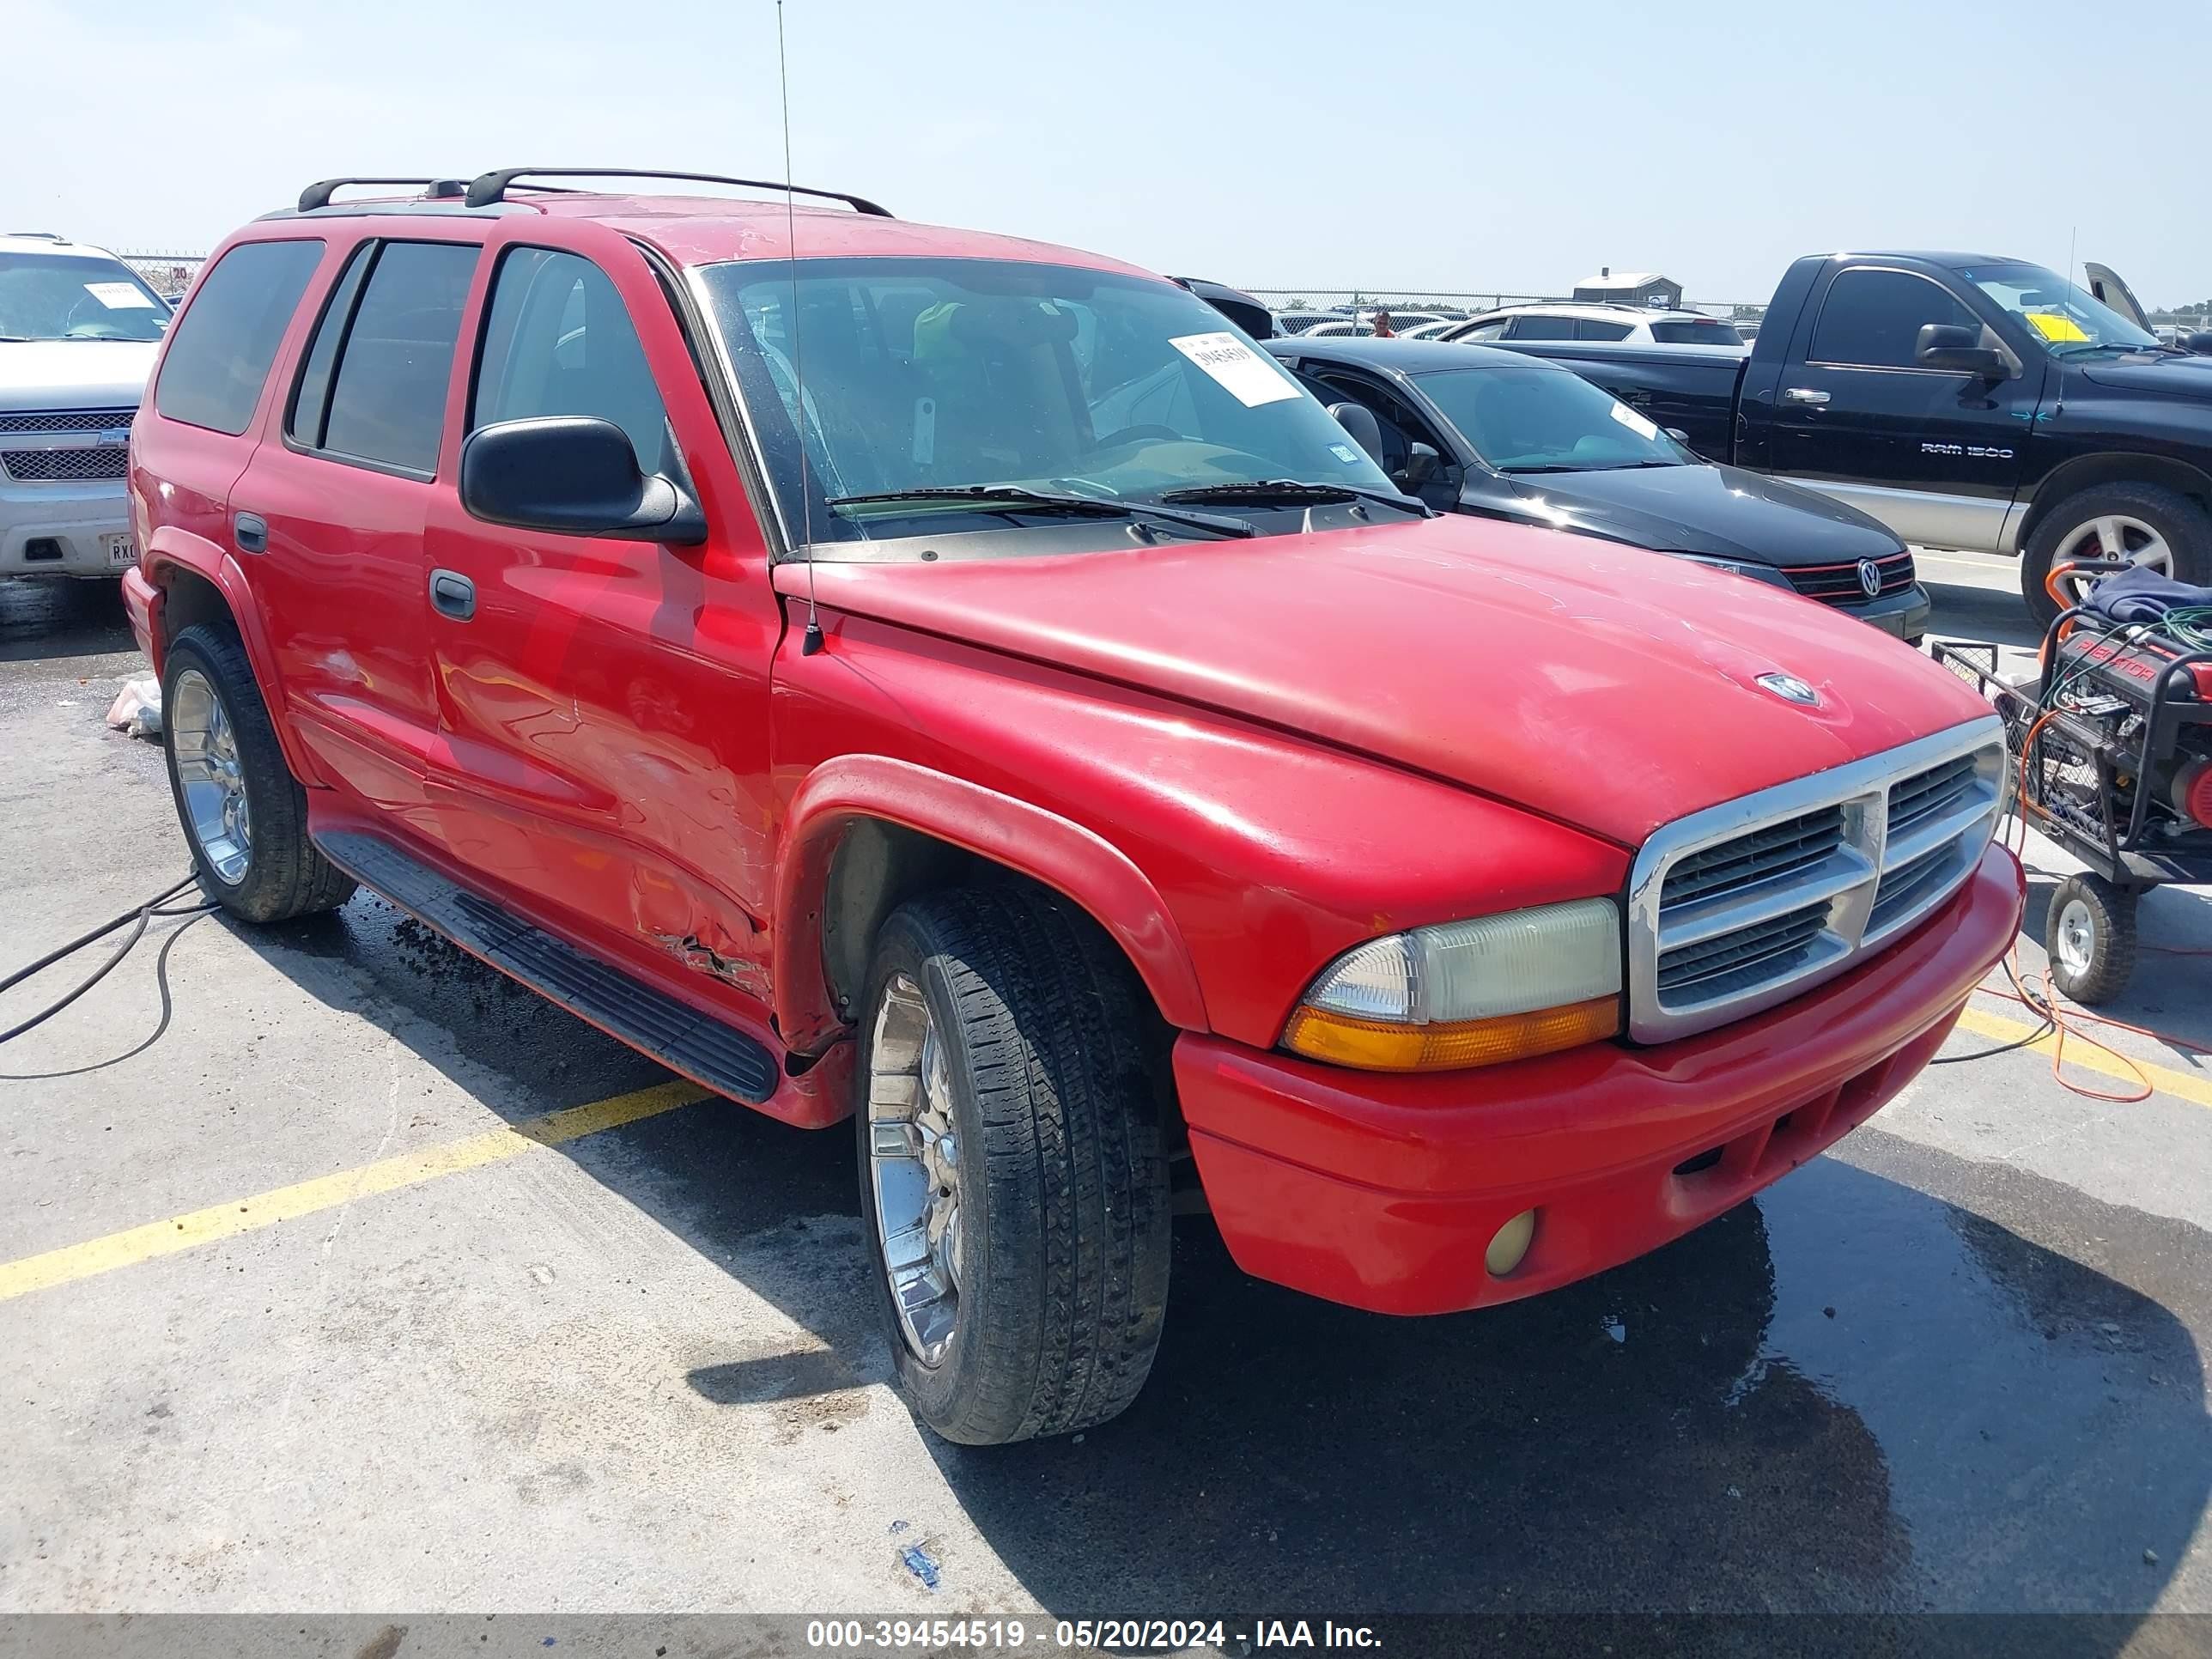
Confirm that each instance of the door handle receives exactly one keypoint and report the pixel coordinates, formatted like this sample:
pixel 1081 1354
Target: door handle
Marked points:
pixel 1802 394
pixel 250 530
pixel 454 594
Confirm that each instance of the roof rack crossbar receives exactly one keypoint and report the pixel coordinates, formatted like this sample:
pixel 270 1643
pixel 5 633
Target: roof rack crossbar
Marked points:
pixel 318 194
pixel 489 187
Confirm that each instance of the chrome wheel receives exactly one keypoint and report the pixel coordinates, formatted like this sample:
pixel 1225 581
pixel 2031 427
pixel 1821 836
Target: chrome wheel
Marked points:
pixel 205 747
pixel 2114 536
pixel 2075 943
pixel 913 1164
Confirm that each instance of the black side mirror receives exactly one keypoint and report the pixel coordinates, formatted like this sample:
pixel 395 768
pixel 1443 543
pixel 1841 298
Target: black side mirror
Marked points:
pixel 1359 420
pixel 1958 349
pixel 1422 463
pixel 2196 340
pixel 574 475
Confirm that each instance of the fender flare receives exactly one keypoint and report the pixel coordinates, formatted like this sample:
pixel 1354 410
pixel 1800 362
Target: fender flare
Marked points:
pixel 1078 863
pixel 172 548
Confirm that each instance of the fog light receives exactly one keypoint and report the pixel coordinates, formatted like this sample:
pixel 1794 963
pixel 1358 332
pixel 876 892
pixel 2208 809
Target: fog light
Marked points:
pixel 1510 1243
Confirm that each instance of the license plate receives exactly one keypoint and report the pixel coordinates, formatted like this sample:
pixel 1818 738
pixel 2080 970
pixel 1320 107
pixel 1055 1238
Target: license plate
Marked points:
pixel 121 551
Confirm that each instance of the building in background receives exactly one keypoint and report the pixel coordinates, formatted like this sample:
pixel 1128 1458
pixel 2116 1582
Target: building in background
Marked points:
pixel 1631 288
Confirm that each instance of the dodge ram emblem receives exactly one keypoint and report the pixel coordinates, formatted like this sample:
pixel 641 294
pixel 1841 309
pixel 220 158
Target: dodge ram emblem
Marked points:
pixel 1790 688
pixel 1869 578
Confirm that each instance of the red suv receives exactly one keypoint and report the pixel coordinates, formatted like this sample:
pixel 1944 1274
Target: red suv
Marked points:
pixel 890 672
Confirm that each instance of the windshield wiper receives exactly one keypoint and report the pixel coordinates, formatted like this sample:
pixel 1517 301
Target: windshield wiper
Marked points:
pixel 1291 492
pixel 2083 350
pixel 986 497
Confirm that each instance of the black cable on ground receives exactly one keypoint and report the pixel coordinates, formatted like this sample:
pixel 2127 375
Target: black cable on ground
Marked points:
pixel 136 919
pixel 191 913
pixel 2049 1025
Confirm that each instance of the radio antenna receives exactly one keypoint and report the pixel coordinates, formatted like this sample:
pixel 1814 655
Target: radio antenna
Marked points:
pixel 811 642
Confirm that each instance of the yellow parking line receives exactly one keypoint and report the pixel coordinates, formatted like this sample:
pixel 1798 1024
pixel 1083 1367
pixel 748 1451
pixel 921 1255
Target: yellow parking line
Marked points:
pixel 2195 1090
pixel 245 1215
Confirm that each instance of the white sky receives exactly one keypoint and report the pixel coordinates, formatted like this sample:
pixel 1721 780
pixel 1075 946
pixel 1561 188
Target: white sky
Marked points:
pixel 1413 145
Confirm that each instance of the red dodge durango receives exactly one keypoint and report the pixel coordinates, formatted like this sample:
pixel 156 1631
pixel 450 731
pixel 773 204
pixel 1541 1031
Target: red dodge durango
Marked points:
pixel 959 683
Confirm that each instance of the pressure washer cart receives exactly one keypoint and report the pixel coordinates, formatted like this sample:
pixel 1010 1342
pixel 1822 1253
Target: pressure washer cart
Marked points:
pixel 2111 756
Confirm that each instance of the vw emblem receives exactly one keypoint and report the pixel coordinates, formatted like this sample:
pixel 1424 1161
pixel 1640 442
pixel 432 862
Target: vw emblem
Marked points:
pixel 1869 578
pixel 1790 688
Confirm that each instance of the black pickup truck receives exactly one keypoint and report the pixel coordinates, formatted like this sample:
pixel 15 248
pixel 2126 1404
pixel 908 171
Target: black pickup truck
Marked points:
pixel 1964 401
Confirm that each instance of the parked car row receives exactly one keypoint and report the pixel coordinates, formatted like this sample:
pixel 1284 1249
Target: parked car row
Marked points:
pixel 1966 400
pixel 967 686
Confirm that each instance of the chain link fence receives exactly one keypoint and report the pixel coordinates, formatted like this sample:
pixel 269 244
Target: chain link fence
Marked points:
pixel 1414 297
pixel 166 274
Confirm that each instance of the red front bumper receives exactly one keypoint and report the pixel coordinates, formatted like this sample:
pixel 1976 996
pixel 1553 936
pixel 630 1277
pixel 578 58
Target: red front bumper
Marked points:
pixel 1383 1192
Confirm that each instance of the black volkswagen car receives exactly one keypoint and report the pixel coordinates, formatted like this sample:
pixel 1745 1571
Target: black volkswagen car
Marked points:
pixel 1498 435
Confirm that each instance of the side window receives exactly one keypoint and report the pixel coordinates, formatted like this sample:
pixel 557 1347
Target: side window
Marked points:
pixel 387 402
pixel 310 396
pixel 1541 328
pixel 1486 332
pixel 1590 328
pixel 1873 318
pixel 558 341
pixel 221 353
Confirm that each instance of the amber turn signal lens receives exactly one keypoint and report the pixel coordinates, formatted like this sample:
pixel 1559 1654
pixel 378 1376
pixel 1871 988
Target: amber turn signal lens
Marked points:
pixel 1374 1045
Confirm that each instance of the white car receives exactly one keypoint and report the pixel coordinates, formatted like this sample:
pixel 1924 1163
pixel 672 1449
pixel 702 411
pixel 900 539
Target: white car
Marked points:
pixel 1637 325
pixel 78 332
pixel 1347 328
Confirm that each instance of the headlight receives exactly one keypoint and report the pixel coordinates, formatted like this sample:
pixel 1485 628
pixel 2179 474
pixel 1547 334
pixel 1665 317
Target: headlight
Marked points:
pixel 1468 993
pixel 1757 573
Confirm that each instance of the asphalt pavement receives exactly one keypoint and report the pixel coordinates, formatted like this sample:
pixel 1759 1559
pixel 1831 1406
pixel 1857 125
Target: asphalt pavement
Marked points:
pixel 374 1282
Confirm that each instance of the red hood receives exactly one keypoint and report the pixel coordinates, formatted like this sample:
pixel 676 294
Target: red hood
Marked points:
pixel 1607 687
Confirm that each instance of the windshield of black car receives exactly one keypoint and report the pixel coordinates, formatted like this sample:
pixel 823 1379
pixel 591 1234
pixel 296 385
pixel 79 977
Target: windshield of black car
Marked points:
pixel 60 296
pixel 927 374
pixel 2065 315
pixel 1520 420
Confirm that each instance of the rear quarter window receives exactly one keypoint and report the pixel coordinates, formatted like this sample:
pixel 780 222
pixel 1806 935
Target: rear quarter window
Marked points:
pixel 1713 333
pixel 220 352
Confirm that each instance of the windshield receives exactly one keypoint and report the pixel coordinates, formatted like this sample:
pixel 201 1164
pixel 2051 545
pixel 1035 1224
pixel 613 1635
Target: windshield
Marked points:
pixel 934 374
pixel 59 296
pixel 2066 315
pixel 1547 420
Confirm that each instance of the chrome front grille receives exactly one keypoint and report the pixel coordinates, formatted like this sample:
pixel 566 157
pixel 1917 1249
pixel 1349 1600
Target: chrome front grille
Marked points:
pixel 63 466
pixel 65 445
pixel 1780 849
pixel 1746 904
pixel 67 419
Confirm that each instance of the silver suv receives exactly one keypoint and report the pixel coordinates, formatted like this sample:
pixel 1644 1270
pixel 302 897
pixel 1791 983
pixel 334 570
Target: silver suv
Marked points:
pixel 78 332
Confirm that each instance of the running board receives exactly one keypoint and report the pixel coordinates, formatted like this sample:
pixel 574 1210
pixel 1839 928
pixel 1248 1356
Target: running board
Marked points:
pixel 678 1035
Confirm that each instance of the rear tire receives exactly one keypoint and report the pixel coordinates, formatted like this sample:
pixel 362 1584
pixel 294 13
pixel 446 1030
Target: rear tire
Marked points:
pixel 2143 516
pixel 265 869
pixel 2090 938
pixel 1020 1031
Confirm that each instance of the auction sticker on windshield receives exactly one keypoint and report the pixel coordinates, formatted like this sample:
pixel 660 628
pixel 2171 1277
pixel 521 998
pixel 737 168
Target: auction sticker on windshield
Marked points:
pixel 1247 376
pixel 118 296
pixel 1635 422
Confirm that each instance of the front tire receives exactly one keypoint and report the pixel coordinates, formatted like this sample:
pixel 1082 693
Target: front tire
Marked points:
pixel 2091 938
pixel 245 816
pixel 1022 1270
pixel 2146 524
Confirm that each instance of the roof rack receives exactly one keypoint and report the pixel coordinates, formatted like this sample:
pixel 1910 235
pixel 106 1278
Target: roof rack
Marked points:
pixel 318 194
pixel 489 187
